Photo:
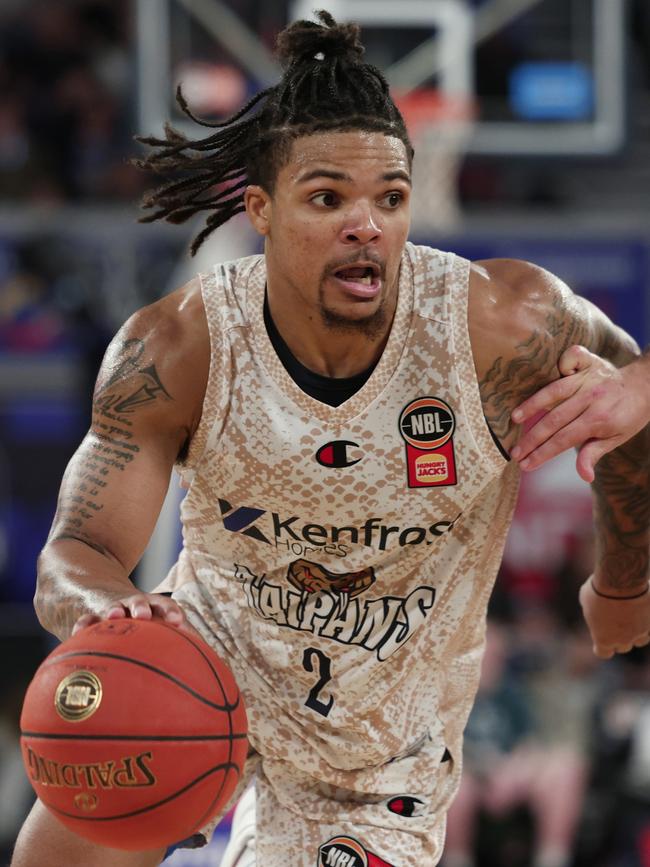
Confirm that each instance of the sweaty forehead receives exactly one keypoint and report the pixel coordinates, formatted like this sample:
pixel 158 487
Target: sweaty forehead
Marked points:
pixel 350 152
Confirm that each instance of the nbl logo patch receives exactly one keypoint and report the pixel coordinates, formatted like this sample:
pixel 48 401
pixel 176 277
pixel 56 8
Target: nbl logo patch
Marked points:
pixel 427 427
pixel 348 852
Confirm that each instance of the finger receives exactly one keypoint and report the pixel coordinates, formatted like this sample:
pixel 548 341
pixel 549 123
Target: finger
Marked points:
pixel 641 641
pixel 84 621
pixel 139 608
pixel 116 610
pixel 573 434
pixel 545 399
pixel 589 455
pixel 554 423
pixel 168 610
pixel 603 652
pixel 623 648
pixel 573 359
pixel 136 606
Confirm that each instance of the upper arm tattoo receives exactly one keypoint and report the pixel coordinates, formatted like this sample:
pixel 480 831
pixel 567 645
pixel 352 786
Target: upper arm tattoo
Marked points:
pixel 131 385
pixel 510 380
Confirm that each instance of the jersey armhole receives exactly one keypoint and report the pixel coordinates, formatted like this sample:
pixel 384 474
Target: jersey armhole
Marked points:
pixel 212 399
pixel 457 284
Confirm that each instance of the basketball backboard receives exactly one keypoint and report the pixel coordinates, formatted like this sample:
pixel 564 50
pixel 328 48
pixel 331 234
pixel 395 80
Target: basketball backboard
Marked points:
pixel 547 77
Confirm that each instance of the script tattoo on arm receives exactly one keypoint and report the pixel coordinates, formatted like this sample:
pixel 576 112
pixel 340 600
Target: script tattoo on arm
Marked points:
pixel 111 445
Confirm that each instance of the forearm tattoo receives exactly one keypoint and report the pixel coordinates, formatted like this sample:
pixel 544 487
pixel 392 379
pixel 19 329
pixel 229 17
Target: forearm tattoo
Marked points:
pixel 111 446
pixel 622 514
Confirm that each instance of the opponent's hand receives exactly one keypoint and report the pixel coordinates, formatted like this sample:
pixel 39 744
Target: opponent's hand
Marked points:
pixel 616 625
pixel 594 406
pixel 139 606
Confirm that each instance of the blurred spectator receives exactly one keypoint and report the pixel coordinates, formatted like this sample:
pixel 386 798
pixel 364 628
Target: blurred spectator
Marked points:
pixel 512 760
pixel 621 780
pixel 20 655
pixel 65 128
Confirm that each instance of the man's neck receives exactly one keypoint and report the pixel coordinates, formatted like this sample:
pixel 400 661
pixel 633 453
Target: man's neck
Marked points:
pixel 328 350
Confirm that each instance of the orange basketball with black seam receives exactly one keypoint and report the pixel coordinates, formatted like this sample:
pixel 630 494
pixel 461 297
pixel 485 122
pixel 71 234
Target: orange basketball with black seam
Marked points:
pixel 133 734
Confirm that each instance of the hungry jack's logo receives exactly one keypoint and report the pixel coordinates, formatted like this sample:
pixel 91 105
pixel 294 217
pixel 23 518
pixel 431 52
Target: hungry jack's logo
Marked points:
pixel 427 426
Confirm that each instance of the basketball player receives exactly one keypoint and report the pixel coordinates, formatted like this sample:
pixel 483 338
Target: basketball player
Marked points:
pixel 339 409
pixel 594 406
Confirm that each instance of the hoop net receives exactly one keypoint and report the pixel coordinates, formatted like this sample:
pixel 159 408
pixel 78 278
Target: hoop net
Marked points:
pixel 440 127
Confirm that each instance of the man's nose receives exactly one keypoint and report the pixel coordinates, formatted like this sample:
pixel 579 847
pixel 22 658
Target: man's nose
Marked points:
pixel 361 226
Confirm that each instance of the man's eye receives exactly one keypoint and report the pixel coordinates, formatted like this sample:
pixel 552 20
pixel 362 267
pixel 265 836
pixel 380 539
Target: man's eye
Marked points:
pixel 327 199
pixel 393 200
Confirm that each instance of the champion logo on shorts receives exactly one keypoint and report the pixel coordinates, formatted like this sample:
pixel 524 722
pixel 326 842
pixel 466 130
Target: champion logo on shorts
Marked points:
pixel 348 852
pixel 406 805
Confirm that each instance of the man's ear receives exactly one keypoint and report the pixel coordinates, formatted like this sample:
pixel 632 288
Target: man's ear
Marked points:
pixel 258 208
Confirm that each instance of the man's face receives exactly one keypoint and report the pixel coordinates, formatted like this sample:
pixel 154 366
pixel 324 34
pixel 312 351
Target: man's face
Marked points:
pixel 336 226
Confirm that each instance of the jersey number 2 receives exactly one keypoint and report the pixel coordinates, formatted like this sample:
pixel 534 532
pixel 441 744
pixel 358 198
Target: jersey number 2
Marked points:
pixel 323 670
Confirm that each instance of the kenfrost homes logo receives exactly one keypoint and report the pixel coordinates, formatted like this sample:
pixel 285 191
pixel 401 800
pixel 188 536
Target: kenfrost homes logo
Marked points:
pixel 302 538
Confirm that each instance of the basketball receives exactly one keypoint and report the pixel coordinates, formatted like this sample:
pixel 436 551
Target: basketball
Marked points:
pixel 133 734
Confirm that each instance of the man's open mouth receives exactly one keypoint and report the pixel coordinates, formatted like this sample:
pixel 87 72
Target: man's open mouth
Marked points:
pixel 364 274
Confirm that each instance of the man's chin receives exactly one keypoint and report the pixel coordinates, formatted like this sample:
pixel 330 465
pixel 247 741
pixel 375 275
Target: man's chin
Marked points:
pixel 371 325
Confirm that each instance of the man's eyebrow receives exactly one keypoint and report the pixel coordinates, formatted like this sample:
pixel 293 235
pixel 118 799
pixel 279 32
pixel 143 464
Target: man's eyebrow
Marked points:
pixel 397 175
pixel 323 173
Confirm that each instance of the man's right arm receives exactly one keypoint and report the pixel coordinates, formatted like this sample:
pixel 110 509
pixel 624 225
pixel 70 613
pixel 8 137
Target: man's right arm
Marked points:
pixel 146 406
pixel 595 407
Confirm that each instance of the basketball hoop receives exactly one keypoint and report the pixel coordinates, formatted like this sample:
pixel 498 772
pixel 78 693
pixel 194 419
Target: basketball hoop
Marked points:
pixel 440 127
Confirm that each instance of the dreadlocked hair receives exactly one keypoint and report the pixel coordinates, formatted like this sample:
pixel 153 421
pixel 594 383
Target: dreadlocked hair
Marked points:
pixel 325 86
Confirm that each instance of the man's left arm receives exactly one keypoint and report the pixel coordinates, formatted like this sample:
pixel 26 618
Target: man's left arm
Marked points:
pixel 521 321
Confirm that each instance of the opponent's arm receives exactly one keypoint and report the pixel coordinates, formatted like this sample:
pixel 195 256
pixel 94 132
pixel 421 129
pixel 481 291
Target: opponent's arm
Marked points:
pixel 146 405
pixel 521 321
pixel 595 407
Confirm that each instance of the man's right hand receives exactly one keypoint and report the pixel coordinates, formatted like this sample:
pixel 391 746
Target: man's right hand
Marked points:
pixel 139 606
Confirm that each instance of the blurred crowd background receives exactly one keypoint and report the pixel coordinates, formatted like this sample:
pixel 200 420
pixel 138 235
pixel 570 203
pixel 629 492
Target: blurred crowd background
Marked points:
pixel 557 766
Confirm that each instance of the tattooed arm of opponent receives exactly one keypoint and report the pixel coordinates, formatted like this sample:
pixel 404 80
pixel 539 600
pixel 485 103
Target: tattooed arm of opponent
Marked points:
pixel 146 406
pixel 522 318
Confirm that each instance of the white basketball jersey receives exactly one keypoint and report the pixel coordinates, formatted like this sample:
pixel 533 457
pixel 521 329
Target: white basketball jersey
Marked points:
pixel 343 557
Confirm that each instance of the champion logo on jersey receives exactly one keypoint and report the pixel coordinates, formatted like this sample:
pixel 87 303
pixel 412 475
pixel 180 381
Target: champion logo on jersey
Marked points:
pixel 338 454
pixel 348 852
pixel 427 426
